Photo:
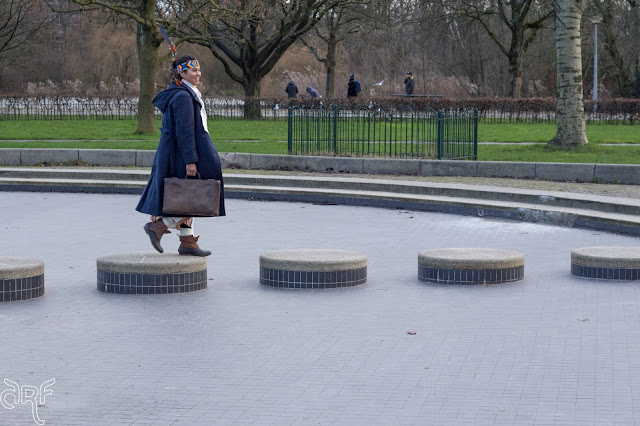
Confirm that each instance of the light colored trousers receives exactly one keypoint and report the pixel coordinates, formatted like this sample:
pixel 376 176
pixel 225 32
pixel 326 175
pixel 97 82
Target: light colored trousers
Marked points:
pixel 175 222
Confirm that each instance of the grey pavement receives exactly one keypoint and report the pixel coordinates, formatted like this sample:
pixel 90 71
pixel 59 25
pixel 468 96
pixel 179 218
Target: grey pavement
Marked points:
pixel 551 349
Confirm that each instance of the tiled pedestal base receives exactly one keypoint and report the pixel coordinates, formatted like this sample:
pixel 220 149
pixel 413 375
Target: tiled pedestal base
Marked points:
pixel 313 269
pixel 21 278
pixel 470 266
pixel 151 273
pixel 606 263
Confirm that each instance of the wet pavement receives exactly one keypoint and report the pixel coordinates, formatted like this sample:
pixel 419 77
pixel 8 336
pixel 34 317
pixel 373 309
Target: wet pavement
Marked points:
pixel 551 349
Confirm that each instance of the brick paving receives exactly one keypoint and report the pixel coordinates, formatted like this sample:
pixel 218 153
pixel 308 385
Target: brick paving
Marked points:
pixel 551 349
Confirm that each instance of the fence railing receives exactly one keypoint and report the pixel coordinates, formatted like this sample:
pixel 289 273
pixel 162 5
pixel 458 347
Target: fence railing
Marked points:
pixel 364 132
pixel 491 110
pixel 119 108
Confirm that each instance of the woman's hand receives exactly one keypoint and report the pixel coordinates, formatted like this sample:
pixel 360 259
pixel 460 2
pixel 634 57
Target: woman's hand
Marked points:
pixel 192 169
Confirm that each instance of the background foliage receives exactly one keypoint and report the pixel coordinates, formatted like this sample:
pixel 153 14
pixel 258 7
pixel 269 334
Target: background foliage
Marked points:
pixel 452 47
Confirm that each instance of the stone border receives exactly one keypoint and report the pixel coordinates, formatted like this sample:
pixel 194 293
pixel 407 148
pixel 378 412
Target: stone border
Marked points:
pixel 21 278
pixel 470 266
pixel 523 205
pixel 606 263
pixel 604 173
pixel 313 269
pixel 151 273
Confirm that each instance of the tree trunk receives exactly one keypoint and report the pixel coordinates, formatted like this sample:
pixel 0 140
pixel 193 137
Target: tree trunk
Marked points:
pixel 147 46
pixel 515 75
pixel 570 110
pixel 330 66
pixel 515 67
pixel 252 109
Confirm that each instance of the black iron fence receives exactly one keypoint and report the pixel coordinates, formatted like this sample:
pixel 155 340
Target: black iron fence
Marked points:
pixel 120 108
pixel 490 110
pixel 365 132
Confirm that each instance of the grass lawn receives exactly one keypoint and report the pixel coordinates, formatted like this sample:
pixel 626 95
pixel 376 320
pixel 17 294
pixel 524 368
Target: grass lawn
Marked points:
pixel 596 133
pixel 263 131
pixel 272 131
pixel 268 137
pixel 596 153
pixel 71 129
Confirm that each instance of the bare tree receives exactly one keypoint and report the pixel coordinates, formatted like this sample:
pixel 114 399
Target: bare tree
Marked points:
pixel 19 22
pixel 570 110
pixel 149 39
pixel 522 18
pixel 338 23
pixel 387 43
pixel 250 36
pixel 147 14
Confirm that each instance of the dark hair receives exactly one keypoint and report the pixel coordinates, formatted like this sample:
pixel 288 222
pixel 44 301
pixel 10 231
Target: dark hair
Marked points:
pixel 180 60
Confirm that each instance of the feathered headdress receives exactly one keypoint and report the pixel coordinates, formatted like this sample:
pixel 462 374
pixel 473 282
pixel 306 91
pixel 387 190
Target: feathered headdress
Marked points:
pixel 172 49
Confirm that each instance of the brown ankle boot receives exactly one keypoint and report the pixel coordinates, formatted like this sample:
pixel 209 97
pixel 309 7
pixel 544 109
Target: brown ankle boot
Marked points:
pixel 156 230
pixel 189 246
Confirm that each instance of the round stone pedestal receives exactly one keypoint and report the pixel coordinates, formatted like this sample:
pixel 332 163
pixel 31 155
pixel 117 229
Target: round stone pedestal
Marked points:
pixel 151 273
pixel 470 266
pixel 21 278
pixel 309 268
pixel 607 263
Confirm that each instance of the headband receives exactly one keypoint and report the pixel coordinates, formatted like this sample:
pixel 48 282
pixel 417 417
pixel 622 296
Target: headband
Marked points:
pixel 189 64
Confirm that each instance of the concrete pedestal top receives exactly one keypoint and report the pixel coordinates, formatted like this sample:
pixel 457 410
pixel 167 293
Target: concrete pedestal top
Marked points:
pixel 21 278
pixel 20 267
pixel 151 262
pixel 313 259
pixel 313 268
pixel 611 262
pixel 612 256
pixel 470 265
pixel 151 273
pixel 470 258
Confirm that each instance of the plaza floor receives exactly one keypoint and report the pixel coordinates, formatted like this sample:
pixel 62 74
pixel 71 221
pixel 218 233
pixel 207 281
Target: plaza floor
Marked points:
pixel 551 349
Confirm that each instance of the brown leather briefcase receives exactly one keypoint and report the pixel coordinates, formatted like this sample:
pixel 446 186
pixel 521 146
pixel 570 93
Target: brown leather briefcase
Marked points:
pixel 191 197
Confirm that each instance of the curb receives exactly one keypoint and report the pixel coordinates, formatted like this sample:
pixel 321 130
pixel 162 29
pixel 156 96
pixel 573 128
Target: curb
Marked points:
pixel 628 174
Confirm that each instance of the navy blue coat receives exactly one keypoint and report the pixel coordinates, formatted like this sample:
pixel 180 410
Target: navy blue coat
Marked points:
pixel 183 140
pixel 291 89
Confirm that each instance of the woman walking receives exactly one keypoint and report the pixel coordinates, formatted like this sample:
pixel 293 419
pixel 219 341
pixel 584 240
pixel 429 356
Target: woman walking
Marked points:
pixel 185 149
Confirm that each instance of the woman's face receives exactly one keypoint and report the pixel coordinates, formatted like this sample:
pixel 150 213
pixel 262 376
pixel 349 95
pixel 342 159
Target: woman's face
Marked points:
pixel 192 75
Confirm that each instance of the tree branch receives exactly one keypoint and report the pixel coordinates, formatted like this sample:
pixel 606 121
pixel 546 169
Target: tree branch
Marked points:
pixel 115 8
pixel 313 51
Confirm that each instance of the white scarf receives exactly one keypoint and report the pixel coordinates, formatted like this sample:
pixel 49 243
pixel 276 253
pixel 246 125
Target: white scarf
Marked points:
pixel 203 111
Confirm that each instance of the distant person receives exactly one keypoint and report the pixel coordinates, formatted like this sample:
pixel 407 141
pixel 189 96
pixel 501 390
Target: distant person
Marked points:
pixel 353 87
pixel 313 92
pixel 291 89
pixel 409 83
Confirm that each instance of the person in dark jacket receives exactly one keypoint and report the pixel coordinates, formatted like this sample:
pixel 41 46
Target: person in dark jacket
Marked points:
pixel 409 84
pixel 352 87
pixel 291 89
pixel 313 92
pixel 185 149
